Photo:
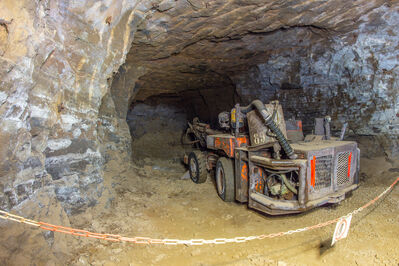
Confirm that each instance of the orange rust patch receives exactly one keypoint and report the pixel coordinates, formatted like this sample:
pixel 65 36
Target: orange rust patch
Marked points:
pixel 244 171
pixel 259 177
pixel 242 141
pixel 225 144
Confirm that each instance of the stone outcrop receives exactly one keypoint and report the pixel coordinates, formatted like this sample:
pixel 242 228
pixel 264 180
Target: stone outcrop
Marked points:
pixel 194 44
pixel 353 77
pixel 58 121
pixel 57 115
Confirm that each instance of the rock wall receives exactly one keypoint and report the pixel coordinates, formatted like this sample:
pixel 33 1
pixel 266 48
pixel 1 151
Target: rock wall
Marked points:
pixel 353 77
pixel 200 44
pixel 58 118
pixel 156 129
pixel 59 126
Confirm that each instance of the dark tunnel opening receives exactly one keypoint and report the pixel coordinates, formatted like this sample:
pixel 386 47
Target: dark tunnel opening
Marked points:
pixel 158 123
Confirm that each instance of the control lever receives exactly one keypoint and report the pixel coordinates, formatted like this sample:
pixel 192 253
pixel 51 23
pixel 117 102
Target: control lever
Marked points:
pixel 343 130
pixel 327 130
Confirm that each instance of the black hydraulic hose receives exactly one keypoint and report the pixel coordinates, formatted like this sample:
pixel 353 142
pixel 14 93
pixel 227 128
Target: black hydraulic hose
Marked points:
pixel 280 137
pixel 254 104
pixel 272 125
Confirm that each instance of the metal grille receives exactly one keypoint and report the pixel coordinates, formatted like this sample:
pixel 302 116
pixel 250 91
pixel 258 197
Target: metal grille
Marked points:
pixel 323 171
pixel 342 168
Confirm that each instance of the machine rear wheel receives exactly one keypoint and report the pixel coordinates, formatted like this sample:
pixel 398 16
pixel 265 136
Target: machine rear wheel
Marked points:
pixel 225 179
pixel 197 167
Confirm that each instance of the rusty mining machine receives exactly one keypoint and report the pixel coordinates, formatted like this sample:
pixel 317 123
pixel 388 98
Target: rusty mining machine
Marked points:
pixel 260 159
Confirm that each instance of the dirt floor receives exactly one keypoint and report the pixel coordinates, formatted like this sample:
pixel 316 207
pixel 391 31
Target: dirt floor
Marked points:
pixel 153 201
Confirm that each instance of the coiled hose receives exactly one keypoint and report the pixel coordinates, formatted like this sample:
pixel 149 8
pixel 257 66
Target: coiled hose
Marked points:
pixel 272 125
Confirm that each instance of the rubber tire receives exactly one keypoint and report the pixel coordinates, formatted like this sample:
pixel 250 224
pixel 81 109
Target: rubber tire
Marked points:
pixel 227 166
pixel 199 159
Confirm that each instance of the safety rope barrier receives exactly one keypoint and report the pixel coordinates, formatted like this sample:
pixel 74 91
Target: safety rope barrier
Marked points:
pixel 166 241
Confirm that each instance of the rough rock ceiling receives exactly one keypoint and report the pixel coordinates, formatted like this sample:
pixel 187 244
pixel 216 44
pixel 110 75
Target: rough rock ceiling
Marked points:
pixel 196 44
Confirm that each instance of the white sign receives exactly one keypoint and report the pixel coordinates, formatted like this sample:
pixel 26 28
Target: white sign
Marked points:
pixel 342 229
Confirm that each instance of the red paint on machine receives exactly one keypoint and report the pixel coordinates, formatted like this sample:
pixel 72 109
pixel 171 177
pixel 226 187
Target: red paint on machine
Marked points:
pixel 313 171
pixel 349 164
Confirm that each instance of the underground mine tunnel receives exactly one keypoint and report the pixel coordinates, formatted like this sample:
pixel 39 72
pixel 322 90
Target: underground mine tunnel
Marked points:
pixel 95 101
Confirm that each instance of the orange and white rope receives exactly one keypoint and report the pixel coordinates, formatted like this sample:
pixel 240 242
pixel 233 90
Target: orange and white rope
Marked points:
pixel 166 241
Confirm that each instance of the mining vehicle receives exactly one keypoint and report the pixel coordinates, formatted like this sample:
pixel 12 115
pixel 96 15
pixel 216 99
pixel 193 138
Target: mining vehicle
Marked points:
pixel 260 159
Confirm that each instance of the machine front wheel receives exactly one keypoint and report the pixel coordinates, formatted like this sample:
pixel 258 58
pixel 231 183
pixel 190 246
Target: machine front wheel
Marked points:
pixel 225 179
pixel 197 167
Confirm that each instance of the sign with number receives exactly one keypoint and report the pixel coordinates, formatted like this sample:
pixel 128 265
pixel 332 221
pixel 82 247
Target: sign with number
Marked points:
pixel 259 138
pixel 342 229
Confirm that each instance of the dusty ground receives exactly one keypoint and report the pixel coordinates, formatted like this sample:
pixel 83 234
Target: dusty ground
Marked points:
pixel 153 201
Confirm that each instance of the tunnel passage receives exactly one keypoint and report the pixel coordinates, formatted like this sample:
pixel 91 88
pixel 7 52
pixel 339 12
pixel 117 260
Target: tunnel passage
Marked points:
pixel 156 126
pixel 313 69
pixel 71 71
pixel 158 123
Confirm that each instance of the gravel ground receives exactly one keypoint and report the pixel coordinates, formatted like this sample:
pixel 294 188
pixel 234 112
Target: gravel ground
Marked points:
pixel 153 201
